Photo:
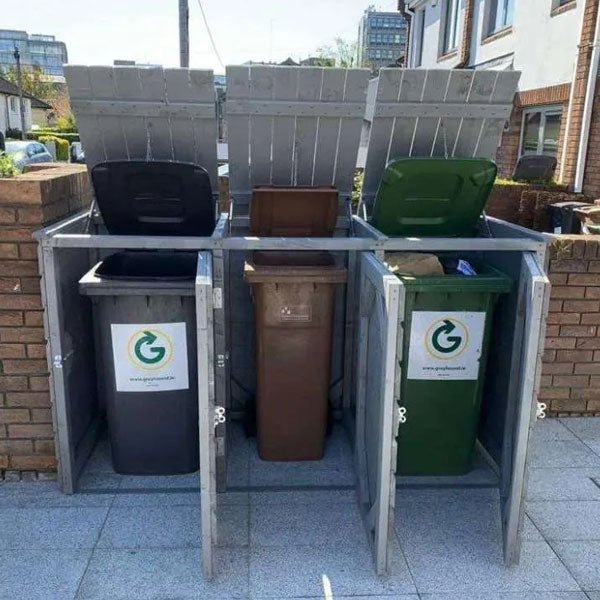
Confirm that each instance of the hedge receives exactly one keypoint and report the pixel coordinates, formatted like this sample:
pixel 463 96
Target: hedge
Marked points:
pixel 70 137
pixel 62 145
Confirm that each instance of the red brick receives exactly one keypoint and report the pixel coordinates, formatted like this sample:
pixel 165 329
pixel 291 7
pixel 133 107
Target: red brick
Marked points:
pixel 560 342
pixel 14 415
pixel 12 384
pixel 558 368
pixel 28 251
pixel 592 293
pixel 20 301
pixel 12 351
pixel 552 330
pixel 585 393
pixel 564 318
pixel 569 381
pixel 28 399
pixel 591 319
pixel 593 406
pixel 22 334
pixel 587 368
pixel 549 393
pixel 31 285
pixel 11 317
pixel 588 344
pixel 16 447
pixel 574 355
pixel 34 318
pixel 9 251
pixel 578 330
pixel 558 278
pixel 41 415
pixel 559 292
pixel 36 350
pixel 555 305
pixel 3 461
pixel 549 355
pixel 10 285
pixel 17 234
pixel 32 431
pixel 25 366
pixel 592 279
pixel 567 405
pixel 581 306
pixel 18 268
pixel 37 463
pixel 30 216
pixel 45 447
pixel 568 266
pixel 39 384
pixel 7 215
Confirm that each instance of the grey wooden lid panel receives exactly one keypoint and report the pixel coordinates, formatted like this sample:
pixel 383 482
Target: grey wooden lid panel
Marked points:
pixel 238 131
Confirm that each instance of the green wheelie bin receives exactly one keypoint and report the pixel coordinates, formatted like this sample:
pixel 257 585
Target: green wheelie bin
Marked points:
pixel 448 314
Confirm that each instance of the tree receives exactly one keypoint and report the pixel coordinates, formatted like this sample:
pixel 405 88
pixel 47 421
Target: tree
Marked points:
pixel 342 52
pixel 35 82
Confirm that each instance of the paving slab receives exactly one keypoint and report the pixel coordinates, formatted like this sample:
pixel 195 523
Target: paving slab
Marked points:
pixel 50 528
pixel 586 429
pixel 149 482
pixel 582 558
pixel 41 574
pixel 512 596
pixel 566 520
pixel 562 453
pixel 305 524
pixel 557 484
pixel 160 574
pixel 46 495
pixel 170 527
pixel 314 496
pixel 299 572
pixel 550 430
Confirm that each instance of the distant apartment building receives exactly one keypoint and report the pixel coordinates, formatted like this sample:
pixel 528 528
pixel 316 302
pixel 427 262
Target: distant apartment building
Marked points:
pixel 553 44
pixel 36 50
pixel 381 39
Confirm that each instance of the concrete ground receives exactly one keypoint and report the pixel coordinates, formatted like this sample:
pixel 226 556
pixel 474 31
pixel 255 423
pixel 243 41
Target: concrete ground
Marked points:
pixel 134 538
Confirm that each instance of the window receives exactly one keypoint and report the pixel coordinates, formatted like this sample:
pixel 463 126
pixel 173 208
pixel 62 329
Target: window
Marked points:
pixel 13 103
pixel 397 38
pixel 451 16
pixel 419 33
pixel 500 15
pixel 541 129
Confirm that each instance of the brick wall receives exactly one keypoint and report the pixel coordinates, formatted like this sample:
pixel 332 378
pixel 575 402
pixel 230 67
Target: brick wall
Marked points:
pixel 27 203
pixel 591 180
pixel 571 373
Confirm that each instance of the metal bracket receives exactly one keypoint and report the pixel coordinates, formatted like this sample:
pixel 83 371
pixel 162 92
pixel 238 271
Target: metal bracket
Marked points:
pixel 541 410
pixel 219 415
pixel 222 360
pixel 217 298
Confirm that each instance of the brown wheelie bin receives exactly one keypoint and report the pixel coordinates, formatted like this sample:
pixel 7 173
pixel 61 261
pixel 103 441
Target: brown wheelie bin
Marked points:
pixel 294 298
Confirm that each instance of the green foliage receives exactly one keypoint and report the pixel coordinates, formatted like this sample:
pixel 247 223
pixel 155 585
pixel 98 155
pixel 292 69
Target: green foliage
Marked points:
pixel 62 145
pixel 357 185
pixel 13 133
pixel 66 124
pixel 35 82
pixel 342 52
pixel 7 166
pixel 70 137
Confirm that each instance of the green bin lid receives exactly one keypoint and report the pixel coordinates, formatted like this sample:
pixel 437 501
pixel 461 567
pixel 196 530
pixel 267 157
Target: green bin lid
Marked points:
pixel 433 197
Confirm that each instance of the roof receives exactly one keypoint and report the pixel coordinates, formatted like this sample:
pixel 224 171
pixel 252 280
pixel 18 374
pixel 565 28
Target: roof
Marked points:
pixel 10 89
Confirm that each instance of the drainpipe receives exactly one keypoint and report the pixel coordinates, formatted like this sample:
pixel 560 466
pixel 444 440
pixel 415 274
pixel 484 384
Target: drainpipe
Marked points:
pixel 587 109
pixel 465 51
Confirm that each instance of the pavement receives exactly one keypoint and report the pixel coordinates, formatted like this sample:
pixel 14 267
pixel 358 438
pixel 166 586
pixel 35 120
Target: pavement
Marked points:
pixel 294 531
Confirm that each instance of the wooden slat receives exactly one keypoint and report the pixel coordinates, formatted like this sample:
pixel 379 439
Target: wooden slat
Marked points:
pixel 261 128
pixel 328 128
pixel 284 127
pixel 238 86
pixel 309 89
pixel 90 132
pixel 158 131
pixel 350 130
pixel 128 87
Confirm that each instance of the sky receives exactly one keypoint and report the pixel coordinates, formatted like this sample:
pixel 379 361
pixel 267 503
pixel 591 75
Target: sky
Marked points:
pixel 98 31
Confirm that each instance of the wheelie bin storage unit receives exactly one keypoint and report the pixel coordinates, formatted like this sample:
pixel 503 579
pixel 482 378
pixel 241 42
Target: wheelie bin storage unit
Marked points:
pixel 144 314
pixel 447 316
pixel 294 294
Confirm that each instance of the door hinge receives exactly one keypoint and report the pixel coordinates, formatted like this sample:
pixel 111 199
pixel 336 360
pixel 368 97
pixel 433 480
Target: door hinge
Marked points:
pixel 401 415
pixel 222 360
pixel 219 415
pixel 59 360
pixel 541 410
pixel 217 298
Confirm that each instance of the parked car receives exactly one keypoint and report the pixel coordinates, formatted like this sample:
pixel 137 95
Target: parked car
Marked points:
pixel 26 153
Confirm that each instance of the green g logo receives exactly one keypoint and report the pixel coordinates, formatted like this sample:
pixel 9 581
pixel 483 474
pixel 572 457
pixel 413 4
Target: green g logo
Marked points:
pixel 447 338
pixel 150 349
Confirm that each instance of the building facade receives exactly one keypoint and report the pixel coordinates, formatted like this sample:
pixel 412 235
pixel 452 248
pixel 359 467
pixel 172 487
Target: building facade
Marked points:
pixel 43 51
pixel 381 39
pixel 553 44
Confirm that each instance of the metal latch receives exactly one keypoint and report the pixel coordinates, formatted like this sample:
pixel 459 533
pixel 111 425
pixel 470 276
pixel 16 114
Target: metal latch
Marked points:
pixel 541 410
pixel 59 360
pixel 401 415
pixel 219 415
pixel 217 298
pixel 222 359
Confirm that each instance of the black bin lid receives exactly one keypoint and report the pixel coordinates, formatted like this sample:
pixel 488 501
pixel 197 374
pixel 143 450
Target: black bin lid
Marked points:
pixel 154 198
pixel 149 265
pixel 535 167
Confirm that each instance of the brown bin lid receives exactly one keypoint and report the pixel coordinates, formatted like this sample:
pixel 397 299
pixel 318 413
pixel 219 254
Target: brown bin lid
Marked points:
pixel 293 267
pixel 302 211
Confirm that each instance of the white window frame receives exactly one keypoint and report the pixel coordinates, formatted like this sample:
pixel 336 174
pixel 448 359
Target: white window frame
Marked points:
pixel 419 38
pixel 450 26
pixel 13 103
pixel 544 111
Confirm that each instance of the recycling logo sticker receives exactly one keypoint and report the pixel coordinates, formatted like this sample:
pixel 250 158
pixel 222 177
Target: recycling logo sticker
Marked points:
pixel 150 357
pixel 445 345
